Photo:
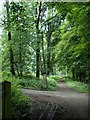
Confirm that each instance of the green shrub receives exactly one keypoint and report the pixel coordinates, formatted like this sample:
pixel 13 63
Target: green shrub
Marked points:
pixel 35 84
pixel 78 86
pixel 30 81
pixel 55 77
pixel 20 103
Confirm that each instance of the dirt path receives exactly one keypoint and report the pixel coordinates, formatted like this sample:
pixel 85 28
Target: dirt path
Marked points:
pixel 68 103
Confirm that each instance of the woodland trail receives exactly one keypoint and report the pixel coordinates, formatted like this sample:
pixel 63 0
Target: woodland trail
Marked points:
pixel 64 103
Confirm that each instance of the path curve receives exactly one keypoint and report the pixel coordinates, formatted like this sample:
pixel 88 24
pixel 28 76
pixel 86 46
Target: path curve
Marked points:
pixel 72 103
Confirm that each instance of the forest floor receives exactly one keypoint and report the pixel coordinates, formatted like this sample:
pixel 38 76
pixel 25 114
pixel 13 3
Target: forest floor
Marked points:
pixel 62 104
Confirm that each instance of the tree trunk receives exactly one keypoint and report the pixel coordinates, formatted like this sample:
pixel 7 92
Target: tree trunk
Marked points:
pixel 17 69
pixel 73 73
pixel 12 70
pixel 44 65
pixel 20 59
pixel 43 56
pixel 38 63
pixel 48 49
pixel 9 39
pixel 38 43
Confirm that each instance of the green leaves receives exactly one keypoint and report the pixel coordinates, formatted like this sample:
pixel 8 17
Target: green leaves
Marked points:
pixel 72 50
pixel 65 29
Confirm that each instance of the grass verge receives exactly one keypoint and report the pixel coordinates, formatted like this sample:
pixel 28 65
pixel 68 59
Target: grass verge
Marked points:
pixel 78 86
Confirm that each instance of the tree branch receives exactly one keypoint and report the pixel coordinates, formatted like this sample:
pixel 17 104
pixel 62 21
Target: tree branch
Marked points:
pixel 48 20
pixel 38 18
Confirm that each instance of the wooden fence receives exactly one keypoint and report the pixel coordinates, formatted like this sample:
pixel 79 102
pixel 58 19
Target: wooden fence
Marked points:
pixel 5 100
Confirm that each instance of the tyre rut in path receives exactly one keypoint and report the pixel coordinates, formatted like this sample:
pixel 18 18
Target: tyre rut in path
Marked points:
pixel 64 103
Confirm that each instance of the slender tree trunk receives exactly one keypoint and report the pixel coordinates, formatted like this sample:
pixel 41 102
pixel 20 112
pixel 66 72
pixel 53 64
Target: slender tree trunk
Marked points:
pixel 38 43
pixel 11 56
pixel 48 58
pixel 73 73
pixel 20 54
pixel 48 49
pixel 9 39
pixel 38 62
pixel 17 69
pixel 44 65
pixel 43 56
pixel 52 70
pixel 88 67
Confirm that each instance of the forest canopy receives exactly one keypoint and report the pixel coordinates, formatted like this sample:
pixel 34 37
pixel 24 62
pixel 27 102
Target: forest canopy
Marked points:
pixel 46 39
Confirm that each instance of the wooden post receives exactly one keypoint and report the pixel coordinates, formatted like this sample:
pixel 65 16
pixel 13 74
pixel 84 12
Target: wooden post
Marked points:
pixel 6 100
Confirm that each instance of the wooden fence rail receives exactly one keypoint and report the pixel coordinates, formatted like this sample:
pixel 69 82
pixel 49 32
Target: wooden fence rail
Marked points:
pixel 5 100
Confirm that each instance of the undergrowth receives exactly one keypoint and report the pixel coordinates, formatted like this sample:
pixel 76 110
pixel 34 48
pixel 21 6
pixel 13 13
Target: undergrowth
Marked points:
pixel 78 86
pixel 21 104
pixel 31 82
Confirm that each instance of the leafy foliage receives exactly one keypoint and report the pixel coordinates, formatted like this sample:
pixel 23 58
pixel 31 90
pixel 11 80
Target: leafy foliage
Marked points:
pixel 73 47
pixel 46 40
pixel 20 104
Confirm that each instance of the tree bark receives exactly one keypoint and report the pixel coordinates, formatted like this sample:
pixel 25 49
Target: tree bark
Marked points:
pixel 43 57
pixel 9 39
pixel 12 70
pixel 44 65
pixel 38 43
pixel 17 69
pixel 48 48
pixel 73 73
pixel 20 58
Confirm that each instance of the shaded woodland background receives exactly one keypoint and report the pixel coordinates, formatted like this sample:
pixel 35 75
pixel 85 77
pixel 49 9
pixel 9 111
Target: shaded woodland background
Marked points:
pixel 41 44
pixel 46 38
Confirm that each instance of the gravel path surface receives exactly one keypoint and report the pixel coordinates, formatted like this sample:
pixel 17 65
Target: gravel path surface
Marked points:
pixel 70 104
